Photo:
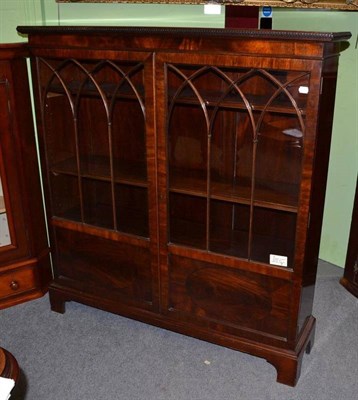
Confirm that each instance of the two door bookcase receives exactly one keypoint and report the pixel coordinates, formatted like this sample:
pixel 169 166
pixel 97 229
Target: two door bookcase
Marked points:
pixel 184 174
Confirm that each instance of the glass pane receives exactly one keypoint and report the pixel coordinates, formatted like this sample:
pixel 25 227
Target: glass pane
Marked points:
pixel 229 228
pixel 4 226
pixel 231 156
pixel 187 153
pixel 236 141
pixel 187 150
pixel 280 137
pixel 279 147
pixel 95 139
pixel 128 125
pixel 273 236
pixel 60 147
pixel 187 220
pixel 278 163
pixel 65 197
pixel 132 210
pixel 97 202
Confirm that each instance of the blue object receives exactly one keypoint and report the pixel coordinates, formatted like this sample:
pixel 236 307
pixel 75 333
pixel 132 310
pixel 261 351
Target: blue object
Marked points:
pixel 267 11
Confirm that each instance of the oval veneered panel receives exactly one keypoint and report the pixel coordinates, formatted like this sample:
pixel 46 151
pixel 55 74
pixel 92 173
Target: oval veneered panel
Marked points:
pixel 239 298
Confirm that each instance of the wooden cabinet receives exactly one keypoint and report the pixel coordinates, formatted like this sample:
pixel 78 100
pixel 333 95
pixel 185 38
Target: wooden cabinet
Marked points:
pixel 184 173
pixel 25 270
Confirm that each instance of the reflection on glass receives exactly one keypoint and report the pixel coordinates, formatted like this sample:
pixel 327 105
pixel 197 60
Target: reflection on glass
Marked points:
pixel 98 166
pixel 4 227
pixel 238 170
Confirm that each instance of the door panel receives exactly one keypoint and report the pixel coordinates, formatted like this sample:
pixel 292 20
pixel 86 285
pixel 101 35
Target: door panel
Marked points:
pixel 229 299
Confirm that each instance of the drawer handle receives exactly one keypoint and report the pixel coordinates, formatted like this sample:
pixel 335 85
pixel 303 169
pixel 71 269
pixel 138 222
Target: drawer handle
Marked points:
pixel 14 285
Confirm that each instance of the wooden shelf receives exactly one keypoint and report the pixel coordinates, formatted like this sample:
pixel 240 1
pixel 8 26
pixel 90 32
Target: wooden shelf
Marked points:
pixel 230 242
pixel 234 102
pixel 100 215
pixel 98 167
pixel 211 97
pixel 90 90
pixel 273 195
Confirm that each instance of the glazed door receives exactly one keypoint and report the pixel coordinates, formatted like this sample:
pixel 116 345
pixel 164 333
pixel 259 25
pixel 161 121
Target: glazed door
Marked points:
pixel 234 135
pixel 13 240
pixel 96 141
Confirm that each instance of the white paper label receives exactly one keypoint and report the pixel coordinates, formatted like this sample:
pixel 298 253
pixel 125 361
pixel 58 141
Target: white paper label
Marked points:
pixel 278 260
pixel 303 89
pixel 212 9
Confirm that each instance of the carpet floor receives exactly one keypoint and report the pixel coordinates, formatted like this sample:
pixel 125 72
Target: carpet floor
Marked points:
pixel 93 355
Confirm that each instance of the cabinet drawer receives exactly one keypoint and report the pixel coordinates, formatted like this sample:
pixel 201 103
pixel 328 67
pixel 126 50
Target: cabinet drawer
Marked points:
pixel 17 281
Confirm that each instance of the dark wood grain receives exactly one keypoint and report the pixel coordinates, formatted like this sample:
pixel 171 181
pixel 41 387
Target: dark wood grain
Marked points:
pixel 25 269
pixel 192 32
pixel 178 165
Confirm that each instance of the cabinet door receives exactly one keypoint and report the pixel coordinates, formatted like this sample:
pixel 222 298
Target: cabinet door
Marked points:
pixel 95 123
pixel 13 240
pixel 234 136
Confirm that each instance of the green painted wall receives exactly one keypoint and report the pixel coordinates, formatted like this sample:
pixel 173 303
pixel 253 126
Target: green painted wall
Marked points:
pixel 344 155
pixel 136 14
pixel 343 165
pixel 17 12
